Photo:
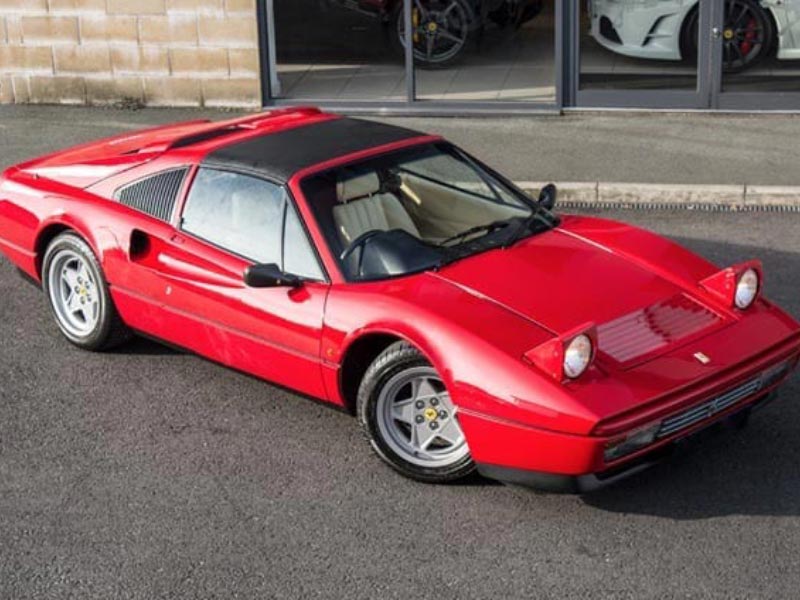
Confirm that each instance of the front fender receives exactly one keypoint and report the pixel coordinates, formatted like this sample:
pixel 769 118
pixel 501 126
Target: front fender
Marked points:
pixel 475 345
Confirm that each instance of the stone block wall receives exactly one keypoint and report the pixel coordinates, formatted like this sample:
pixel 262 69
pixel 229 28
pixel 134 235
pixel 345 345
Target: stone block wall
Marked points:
pixel 150 52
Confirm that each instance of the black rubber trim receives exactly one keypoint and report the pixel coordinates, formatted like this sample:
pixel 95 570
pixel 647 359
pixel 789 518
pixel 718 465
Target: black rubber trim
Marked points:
pixel 280 155
pixel 565 484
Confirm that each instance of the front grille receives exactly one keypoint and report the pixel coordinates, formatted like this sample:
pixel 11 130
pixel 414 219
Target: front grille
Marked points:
pixel 718 404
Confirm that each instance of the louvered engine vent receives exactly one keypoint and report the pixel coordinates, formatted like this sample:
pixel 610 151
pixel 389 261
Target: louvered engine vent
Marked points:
pixel 155 195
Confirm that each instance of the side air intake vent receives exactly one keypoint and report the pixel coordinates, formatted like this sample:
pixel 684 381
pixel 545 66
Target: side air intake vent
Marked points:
pixel 154 195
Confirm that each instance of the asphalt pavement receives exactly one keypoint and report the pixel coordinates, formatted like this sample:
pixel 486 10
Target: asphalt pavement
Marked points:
pixel 150 473
pixel 609 147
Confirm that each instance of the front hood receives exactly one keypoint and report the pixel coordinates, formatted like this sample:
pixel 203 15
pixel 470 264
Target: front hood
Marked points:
pixel 560 280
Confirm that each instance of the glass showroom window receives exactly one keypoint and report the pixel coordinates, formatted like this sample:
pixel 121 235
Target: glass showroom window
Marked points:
pixel 484 50
pixel 339 50
pixel 760 46
pixel 635 45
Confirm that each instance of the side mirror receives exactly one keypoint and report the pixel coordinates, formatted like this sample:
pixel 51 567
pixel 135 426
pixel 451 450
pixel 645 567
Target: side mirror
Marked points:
pixel 548 196
pixel 269 276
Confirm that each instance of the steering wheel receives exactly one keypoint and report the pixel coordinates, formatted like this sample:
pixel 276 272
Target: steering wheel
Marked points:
pixel 359 242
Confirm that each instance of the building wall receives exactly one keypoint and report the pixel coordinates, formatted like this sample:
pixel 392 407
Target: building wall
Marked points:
pixel 151 52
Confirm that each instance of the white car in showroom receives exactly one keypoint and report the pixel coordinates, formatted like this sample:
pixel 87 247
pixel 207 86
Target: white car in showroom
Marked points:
pixel 667 29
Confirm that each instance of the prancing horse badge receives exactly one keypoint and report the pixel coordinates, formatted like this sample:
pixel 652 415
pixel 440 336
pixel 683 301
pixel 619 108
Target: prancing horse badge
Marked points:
pixel 703 358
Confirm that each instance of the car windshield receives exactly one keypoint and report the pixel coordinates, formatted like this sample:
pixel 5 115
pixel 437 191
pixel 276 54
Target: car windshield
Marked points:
pixel 417 209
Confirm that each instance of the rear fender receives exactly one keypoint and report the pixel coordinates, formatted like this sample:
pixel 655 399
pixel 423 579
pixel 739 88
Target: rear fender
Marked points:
pixel 101 240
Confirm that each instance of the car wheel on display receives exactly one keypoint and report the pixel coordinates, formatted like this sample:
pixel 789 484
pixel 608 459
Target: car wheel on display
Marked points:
pixel 409 418
pixel 441 31
pixel 78 295
pixel 748 35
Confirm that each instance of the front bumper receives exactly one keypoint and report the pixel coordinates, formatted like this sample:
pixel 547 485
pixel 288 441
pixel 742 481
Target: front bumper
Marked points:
pixel 557 461
pixel 638 29
pixel 583 484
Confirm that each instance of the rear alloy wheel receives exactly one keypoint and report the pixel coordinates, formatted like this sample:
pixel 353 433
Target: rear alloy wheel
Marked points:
pixel 747 35
pixel 441 31
pixel 409 418
pixel 78 295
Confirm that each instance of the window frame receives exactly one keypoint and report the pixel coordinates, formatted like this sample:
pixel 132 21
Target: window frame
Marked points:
pixel 288 202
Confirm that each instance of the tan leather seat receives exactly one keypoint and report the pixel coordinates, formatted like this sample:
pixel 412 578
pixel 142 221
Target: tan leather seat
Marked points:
pixel 363 208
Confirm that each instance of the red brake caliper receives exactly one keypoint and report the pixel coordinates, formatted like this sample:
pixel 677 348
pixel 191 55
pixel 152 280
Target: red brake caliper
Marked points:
pixel 749 37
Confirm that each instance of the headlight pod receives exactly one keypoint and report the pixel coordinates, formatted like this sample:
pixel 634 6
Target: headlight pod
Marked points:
pixel 747 288
pixel 567 356
pixel 738 286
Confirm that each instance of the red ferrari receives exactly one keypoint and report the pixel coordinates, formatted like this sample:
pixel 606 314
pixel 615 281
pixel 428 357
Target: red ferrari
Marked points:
pixel 392 274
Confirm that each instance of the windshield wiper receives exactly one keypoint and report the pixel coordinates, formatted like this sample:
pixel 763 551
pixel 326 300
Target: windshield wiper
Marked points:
pixel 488 228
pixel 525 227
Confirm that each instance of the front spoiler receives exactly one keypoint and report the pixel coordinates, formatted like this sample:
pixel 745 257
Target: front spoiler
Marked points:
pixel 584 484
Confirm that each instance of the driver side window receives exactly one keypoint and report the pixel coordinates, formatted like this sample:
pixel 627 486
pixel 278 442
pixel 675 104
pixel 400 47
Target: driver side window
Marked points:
pixel 249 216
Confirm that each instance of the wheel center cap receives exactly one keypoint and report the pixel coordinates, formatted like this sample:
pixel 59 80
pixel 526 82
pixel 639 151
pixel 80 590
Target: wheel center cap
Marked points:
pixel 728 34
pixel 432 27
pixel 430 414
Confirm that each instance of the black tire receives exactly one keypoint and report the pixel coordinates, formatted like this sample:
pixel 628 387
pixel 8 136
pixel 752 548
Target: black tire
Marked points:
pixel 463 21
pixel 751 30
pixel 396 359
pixel 109 331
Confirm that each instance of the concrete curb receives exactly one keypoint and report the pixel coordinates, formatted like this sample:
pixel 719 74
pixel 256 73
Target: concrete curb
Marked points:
pixel 670 195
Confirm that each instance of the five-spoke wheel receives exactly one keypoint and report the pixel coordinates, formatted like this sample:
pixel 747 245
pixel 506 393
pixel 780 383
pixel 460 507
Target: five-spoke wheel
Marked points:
pixel 78 295
pixel 409 418
pixel 417 418
pixel 73 293
pixel 441 31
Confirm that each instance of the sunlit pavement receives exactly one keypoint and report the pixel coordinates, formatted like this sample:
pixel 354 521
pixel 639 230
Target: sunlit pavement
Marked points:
pixel 148 473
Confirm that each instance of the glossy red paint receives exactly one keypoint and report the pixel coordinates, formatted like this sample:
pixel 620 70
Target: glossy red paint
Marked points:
pixel 476 320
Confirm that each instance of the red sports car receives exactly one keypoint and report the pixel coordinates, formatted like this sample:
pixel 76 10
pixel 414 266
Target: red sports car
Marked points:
pixel 392 274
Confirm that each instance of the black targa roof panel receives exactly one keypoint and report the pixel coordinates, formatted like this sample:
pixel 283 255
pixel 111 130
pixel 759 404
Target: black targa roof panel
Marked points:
pixel 282 154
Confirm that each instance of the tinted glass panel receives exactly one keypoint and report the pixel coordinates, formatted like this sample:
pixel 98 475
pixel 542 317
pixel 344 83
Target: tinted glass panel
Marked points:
pixel 472 50
pixel 338 50
pixel 238 213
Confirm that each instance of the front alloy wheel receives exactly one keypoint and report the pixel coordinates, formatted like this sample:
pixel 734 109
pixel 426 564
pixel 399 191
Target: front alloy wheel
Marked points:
pixel 409 418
